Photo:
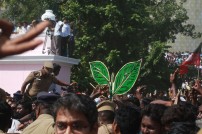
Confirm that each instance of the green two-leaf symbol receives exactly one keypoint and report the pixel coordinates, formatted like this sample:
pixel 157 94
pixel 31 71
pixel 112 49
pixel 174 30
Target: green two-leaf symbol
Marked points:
pixel 126 77
pixel 100 72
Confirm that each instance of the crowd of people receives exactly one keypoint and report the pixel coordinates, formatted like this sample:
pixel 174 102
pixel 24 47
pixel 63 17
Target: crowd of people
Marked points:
pixel 36 109
pixel 61 34
pixel 24 27
pixel 72 111
pixel 177 58
pixel 62 37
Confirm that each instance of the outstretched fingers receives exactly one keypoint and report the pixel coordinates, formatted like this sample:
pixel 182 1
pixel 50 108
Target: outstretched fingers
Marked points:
pixel 6 28
pixel 12 49
pixel 32 33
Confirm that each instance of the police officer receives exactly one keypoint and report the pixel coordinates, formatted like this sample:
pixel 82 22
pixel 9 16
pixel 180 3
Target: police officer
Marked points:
pixel 105 116
pixel 44 122
pixel 41 80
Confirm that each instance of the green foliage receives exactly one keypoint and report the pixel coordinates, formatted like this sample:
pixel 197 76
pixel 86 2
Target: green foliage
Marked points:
pixel 117 32
pixel 126 77
pixel 100 72
pixel 155 69
pixel 28 10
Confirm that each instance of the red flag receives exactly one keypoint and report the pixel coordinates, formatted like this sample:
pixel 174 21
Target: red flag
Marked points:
pixel 193 59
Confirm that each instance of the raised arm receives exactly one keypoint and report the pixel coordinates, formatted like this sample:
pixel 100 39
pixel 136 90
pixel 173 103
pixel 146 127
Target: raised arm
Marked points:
pixel 197 86
pixel 21 44
pixel 27 81
pixel 61 83
pixel 173 84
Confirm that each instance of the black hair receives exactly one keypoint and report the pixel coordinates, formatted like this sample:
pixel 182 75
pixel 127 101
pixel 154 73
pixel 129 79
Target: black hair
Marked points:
pixel 107 116
pixel 27 105
pixel 154 111
pixel 56 67
pixel 47 107
pixel 79 103
pixel 191 108
pixel 183 112
pixel 2 95
pixel 5 116
pixel 17 96
pixel 128 119
pixel 146 101
pixel 183 128
pixel 134 100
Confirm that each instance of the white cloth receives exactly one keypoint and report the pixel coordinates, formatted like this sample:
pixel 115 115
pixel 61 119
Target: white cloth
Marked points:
pixel 14 126
pixel 29 27
pixel 21 30
pixel 66 30
pixel 57 27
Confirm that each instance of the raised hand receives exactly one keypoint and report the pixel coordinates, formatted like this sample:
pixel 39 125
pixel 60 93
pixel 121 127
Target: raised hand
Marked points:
pixel 173 76
pixel 197 86
pixel 74 84
pixel 141 88
pixel 21 44
pixel 99 90
pixel 173 89
pixel 138 93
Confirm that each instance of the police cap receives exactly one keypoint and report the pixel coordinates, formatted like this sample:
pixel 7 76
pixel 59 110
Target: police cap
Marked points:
pixel 47 97
pixel 106 105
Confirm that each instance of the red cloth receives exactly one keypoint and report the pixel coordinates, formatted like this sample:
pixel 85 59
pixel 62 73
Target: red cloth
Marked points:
pixel 193 59
pixel 183 69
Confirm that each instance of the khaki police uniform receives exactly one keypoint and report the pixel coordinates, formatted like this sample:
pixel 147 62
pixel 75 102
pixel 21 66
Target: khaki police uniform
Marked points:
pixel 1 132
pixel 102 106
pixel 200 131
pixel 39 83
pixel 42 125
pixel 105 129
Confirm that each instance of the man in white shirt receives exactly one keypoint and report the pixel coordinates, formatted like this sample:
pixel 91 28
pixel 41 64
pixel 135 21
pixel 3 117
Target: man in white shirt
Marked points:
pixel 65 36
pixel 56 42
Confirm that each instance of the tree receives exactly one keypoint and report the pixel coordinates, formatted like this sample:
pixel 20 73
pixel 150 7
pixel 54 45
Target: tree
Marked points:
pixel 155 72
pixel 27 10
pixel 116 32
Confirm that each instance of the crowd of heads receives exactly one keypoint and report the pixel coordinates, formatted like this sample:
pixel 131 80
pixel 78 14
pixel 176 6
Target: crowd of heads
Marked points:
pixel 24 27
pixel 80 113
pixel 73 112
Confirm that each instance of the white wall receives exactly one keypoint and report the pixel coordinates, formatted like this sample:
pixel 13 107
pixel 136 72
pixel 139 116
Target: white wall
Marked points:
pixel 14 69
